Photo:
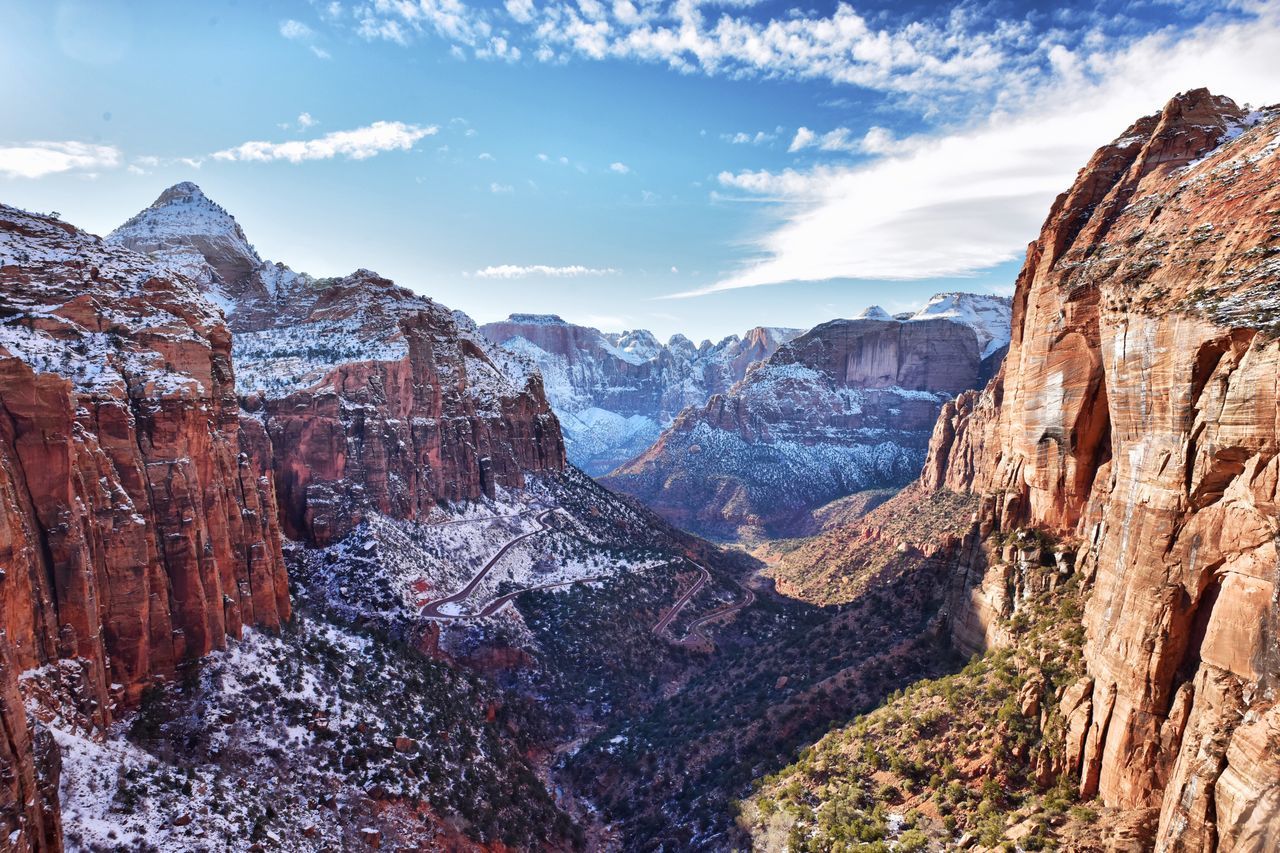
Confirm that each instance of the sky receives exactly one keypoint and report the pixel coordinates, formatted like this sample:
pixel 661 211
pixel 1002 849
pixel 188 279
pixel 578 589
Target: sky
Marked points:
pixel 677 165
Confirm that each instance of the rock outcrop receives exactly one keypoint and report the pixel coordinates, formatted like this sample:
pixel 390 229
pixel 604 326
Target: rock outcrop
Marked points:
pixel 1137 417
pixel 847 406
pixel 398 404
pixel 138 524
pixel 615 393
pixel 373 397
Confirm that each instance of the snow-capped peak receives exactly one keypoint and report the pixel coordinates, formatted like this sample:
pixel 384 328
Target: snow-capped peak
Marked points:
pixel 179 214
pixel 537 319
pixel 989 316
pixel 874 312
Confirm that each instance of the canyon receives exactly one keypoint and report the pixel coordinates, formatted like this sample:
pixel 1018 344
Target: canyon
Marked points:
pixel 1009 577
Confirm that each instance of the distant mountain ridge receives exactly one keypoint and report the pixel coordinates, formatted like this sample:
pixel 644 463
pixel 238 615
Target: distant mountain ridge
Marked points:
pixel 847 406
pixel 614 392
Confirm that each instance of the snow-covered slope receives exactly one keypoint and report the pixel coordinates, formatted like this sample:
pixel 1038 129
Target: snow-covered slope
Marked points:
pixel 989 316
pixel 194 236
pixel 614 393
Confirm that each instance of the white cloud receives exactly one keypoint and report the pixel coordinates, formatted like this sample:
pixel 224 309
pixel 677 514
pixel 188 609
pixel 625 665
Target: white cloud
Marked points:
pixel 543 157
pixel 620 168
pixel 876 140
pixel 485 155
pixel 803 139
pixel 760 137
pixel 37 159
pixel 305 120
pixel 962 51
pixel 501 189
pixel 320 52
pixel 521 10
pixel 517 271
pixel 295 30
pixel 964 201
pixel 358 144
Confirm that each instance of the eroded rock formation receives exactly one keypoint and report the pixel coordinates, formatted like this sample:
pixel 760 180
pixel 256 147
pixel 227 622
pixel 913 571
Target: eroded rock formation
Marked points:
pixel 1137 416
pixel 138 524
pixel 372 396
pixel 403 405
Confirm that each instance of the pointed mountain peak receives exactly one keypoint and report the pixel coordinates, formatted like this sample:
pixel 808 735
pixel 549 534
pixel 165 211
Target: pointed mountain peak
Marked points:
pixel 874 312
pixel 185 191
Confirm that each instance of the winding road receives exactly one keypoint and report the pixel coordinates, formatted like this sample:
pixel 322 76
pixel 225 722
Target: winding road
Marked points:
pixel 431 609
pixel 696 626
pixel 665 621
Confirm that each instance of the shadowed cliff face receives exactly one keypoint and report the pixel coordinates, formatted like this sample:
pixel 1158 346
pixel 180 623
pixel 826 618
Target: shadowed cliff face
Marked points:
pixel 138 524
pixel 1137 413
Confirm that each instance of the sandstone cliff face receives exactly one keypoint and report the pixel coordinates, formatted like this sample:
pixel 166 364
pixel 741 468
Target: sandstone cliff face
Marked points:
pixel 399 404
pixel 849 405
pixel 614 393
pixel 1137 415
pixel 138 524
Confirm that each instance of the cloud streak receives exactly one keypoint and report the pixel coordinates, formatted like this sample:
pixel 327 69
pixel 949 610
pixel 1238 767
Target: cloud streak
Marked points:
pixel 957 203
pixel 507 271
pixel 37 159
pixel 358 144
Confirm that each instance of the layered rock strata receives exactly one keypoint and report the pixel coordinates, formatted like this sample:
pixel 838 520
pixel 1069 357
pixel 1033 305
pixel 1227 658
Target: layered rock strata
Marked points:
pixel 1137 417
pixel 138 524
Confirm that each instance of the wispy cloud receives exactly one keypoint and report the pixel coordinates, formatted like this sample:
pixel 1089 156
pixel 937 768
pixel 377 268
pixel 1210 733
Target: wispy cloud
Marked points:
pixel 295 30
pixel 518 271
pixel 956 203
pixel 300 32
pixel 37 159
pixel 620 168
pixel 760 137
pixel 358 144
pixel 501 189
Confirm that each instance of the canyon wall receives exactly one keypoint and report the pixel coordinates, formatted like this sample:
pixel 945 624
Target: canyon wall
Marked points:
pixel 417 409
pixel 374 398
pixel 1137 419
pixel 138 524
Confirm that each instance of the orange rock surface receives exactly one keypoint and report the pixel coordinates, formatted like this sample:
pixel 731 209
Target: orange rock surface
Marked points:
pixel 1138 414
pixel 138 523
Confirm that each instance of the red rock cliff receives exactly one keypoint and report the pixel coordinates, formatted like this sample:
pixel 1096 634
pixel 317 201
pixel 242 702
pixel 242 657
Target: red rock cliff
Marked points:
pixel 383 399
pixel 138 525
pixel 1137 414
pixel 373 397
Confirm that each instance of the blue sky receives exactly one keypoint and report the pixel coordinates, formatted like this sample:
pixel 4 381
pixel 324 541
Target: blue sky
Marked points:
pixel 680 166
